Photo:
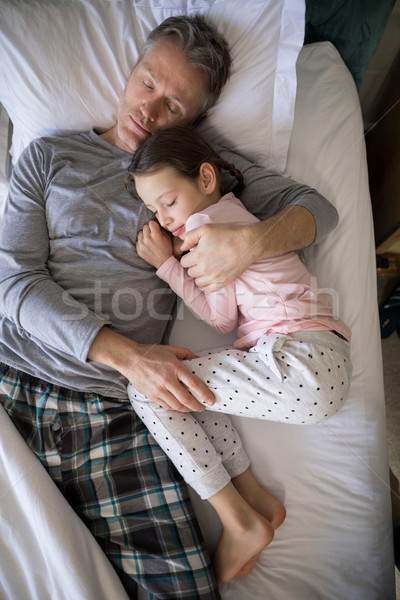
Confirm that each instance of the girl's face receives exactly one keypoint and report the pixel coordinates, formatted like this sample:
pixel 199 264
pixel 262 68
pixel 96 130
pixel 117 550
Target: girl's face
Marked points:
pixel 173 198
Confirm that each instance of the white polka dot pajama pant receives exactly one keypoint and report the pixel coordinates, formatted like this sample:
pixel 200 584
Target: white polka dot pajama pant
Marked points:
pixel 300 378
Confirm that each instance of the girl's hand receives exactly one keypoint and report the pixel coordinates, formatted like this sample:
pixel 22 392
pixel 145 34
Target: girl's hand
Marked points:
pixel 154 245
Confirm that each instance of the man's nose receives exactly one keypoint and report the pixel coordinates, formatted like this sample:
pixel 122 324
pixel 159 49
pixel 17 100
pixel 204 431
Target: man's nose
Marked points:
pixel 150 110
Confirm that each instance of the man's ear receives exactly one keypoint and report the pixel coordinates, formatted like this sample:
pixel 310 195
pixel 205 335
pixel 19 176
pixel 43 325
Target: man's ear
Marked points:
pixel 208 178
pixel 198 120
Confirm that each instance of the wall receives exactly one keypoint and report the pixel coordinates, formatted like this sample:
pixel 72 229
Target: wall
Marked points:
pixel 380 103
pixel 382 71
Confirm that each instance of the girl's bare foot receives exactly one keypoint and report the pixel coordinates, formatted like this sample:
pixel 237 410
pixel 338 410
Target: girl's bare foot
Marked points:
pixel 239 544
pixel 261 501
pixel 248 567
pixel 245 533
pixel 264 503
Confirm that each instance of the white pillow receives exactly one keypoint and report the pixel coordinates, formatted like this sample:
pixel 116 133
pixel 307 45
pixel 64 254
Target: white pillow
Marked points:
pixel 63 66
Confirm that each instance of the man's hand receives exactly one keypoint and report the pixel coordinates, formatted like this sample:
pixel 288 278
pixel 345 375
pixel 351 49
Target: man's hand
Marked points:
pixel 154 245
pixel 159 374
pixel 222 252
pixel 154 370
pixel 177 247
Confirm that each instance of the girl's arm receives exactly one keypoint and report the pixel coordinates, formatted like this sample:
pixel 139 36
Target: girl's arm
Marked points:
pixel 218 310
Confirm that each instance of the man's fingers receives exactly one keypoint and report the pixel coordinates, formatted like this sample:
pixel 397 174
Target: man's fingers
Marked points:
pixel 187 261
pixel 184 401
pixel 191 239
pixel 170 402
pixel 165 379
pixel 196 389
pixel 187 387
pixel 182 353
pixel 206 284
pixel 177 397
pixel 188 391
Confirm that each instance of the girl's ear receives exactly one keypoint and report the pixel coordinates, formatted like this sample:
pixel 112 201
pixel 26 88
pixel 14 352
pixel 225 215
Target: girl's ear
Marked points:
pixel 208 178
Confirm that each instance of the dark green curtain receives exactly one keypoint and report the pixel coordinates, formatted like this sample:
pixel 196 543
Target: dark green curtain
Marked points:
pixel 353 26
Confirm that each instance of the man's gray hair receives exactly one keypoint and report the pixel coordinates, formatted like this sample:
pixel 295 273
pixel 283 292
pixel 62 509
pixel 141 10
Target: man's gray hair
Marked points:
pixel 203 47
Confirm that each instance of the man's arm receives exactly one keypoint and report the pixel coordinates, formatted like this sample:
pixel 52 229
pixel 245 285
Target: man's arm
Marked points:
pixel 29 296
pixel 223 252
pixel 268 192
pixel 293 215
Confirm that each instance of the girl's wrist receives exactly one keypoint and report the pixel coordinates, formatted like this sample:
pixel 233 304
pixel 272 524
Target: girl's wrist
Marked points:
pixel 165 262
pixel 159 262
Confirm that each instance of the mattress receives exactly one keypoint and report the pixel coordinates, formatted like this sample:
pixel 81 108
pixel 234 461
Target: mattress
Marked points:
pixel 333 477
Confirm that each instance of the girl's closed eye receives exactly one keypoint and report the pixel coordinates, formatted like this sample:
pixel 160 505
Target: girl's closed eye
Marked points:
pixel 171 204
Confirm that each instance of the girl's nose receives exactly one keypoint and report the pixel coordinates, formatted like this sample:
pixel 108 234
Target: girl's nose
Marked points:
pixel 164 219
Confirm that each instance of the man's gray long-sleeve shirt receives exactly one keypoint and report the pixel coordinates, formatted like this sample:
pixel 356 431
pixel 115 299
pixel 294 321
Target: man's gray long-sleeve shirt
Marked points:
pixel 68 264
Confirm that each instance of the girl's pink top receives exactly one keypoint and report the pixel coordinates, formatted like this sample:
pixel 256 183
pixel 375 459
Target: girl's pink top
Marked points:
pixel 275 295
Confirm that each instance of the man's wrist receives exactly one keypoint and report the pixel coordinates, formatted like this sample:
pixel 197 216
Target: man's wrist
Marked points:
pixel 255 240
pixel 113 349
pixel 292 229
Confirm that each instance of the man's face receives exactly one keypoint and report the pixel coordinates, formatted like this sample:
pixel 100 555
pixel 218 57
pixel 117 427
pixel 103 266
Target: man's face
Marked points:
pixel 163 90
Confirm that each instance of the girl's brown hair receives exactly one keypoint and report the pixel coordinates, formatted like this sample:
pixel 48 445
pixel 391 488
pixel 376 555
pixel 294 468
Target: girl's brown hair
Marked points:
pixel 181 148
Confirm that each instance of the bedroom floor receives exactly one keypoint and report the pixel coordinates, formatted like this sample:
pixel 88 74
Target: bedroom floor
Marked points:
pixel 391 362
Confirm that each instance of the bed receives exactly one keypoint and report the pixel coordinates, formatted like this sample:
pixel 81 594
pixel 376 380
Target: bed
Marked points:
pixel 297 111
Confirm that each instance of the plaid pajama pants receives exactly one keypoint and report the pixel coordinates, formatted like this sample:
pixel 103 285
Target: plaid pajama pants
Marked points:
pixel 118 481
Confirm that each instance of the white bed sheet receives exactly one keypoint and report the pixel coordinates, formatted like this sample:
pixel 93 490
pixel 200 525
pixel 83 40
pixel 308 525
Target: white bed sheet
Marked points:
pixel 46 553
pixel 337 541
